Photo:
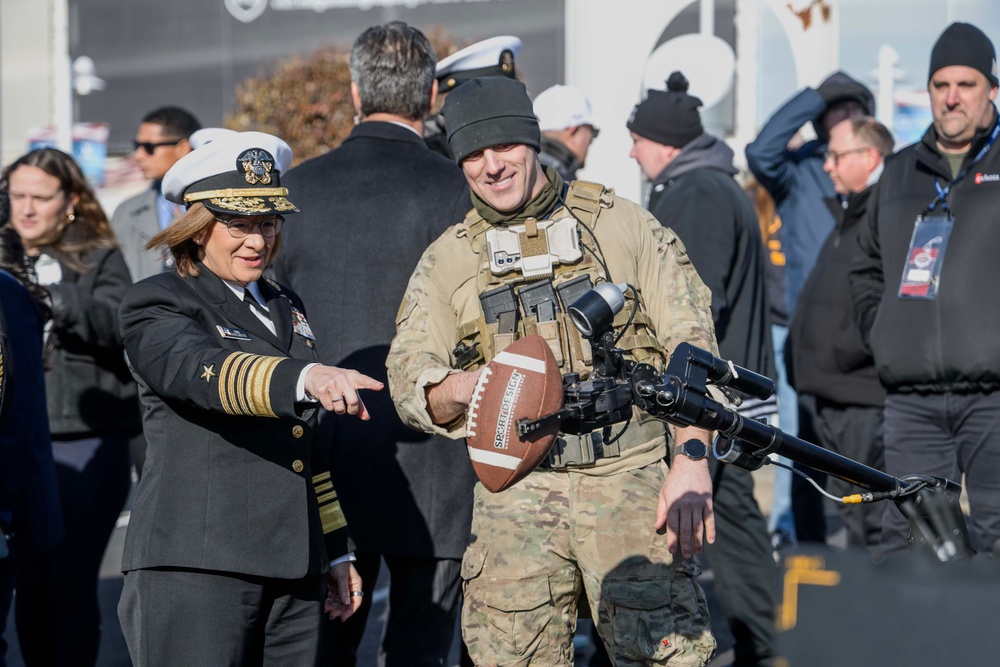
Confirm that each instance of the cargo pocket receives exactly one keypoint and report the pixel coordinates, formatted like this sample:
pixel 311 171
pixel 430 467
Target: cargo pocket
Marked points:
pixel 641 617
pixel 519 610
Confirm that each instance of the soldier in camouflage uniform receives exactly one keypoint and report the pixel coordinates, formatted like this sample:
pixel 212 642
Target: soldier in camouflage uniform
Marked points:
pixel 598 517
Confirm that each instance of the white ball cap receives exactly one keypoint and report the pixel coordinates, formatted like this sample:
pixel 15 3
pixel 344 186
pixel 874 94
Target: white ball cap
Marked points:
pixel 561 107
pixel 481 55
pixel 237 166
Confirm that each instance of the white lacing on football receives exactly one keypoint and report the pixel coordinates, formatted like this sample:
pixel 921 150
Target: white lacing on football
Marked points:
pixel 477 395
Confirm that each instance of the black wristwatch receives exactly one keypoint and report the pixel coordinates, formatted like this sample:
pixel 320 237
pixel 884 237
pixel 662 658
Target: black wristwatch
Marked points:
pixel 696 450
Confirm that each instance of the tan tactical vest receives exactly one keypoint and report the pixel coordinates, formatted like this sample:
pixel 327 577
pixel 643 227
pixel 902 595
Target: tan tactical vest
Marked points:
pixel 571 350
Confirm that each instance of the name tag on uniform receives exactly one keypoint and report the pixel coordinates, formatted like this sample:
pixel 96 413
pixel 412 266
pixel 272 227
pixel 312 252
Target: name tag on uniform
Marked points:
pixel 232 332
pixel 300 326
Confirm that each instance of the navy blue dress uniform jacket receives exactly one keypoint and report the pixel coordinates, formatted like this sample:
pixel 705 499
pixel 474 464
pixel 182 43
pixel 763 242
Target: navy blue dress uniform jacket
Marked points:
pixel 232 480
pixel 27 472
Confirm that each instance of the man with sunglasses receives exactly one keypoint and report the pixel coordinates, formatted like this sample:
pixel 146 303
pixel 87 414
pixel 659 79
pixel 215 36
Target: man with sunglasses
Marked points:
pixel 161 141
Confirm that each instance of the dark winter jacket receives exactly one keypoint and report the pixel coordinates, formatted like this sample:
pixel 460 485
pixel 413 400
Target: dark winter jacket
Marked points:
pixel 89 387
pixel 556 155
pixel 950 343
pixel 798 184
pixel 697 197
pixel 827 356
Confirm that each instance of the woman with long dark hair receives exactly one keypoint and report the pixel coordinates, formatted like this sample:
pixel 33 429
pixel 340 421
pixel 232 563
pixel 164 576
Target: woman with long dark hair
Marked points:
pixel 92 399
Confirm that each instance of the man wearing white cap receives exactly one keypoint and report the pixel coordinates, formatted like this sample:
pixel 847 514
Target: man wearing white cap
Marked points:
pixel 490 57
pixel 568 128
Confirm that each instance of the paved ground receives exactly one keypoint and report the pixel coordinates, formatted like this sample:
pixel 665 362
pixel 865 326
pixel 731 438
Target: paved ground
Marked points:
pixel 115 654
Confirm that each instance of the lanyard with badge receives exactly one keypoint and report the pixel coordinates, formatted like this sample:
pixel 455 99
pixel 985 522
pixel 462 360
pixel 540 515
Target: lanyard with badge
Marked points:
pixel 925 257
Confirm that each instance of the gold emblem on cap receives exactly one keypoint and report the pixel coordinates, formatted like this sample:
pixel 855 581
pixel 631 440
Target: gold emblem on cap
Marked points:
pixel 257 165
pixel 282 204
pixel 451 83
pixel 241 204
pixel 507 60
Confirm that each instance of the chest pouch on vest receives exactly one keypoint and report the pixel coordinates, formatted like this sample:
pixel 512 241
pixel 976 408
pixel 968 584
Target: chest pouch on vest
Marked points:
pixel 532 249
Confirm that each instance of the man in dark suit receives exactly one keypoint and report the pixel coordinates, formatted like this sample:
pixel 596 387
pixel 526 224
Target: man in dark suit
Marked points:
pixel 370 207
pixel 162 139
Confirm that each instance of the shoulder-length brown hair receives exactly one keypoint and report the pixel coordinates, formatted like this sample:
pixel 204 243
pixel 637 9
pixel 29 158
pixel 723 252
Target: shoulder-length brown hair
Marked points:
pixel 89 229
pixel 184 237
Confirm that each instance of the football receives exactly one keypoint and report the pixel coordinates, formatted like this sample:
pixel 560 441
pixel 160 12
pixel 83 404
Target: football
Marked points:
pixel 522 381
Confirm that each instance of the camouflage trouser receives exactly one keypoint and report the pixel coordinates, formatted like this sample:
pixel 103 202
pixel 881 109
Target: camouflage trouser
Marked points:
pixel 538 542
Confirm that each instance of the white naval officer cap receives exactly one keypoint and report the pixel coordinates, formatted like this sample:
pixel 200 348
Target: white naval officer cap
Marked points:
pixel 207 135
pixel 561 107
pixel 490 57
pixel 238 173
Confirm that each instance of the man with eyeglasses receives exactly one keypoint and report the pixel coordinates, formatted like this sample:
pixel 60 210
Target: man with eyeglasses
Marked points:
pixel 792 174
pixel 161 141
pixel 923 282
pixel 828 360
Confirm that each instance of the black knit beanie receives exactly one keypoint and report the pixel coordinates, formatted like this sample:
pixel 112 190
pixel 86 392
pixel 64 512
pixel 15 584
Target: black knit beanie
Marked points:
pixel 668 117
pixel 489 111
pixel 964 44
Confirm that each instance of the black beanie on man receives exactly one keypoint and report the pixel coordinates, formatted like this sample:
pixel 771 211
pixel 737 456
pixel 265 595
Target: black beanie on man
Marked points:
pixel 489 111
pixel 668 117
pixel 964 44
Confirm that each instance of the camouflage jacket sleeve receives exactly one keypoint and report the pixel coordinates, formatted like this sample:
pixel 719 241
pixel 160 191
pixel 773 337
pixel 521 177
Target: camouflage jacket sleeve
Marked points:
pixel 426 332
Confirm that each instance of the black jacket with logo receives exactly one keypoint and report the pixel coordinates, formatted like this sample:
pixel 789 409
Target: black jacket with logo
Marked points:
pixel 949 343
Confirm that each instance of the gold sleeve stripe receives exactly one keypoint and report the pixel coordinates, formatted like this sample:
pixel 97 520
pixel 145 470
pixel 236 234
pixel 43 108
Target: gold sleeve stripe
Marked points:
pixel 332 517
pixel 326 497
pixel 259 385
pixel 322 477
pixel 238 383
pixel 245 384
pixel 224 373
pixel 324 487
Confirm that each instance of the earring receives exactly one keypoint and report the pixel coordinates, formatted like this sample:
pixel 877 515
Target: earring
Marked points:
pixel 70 218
